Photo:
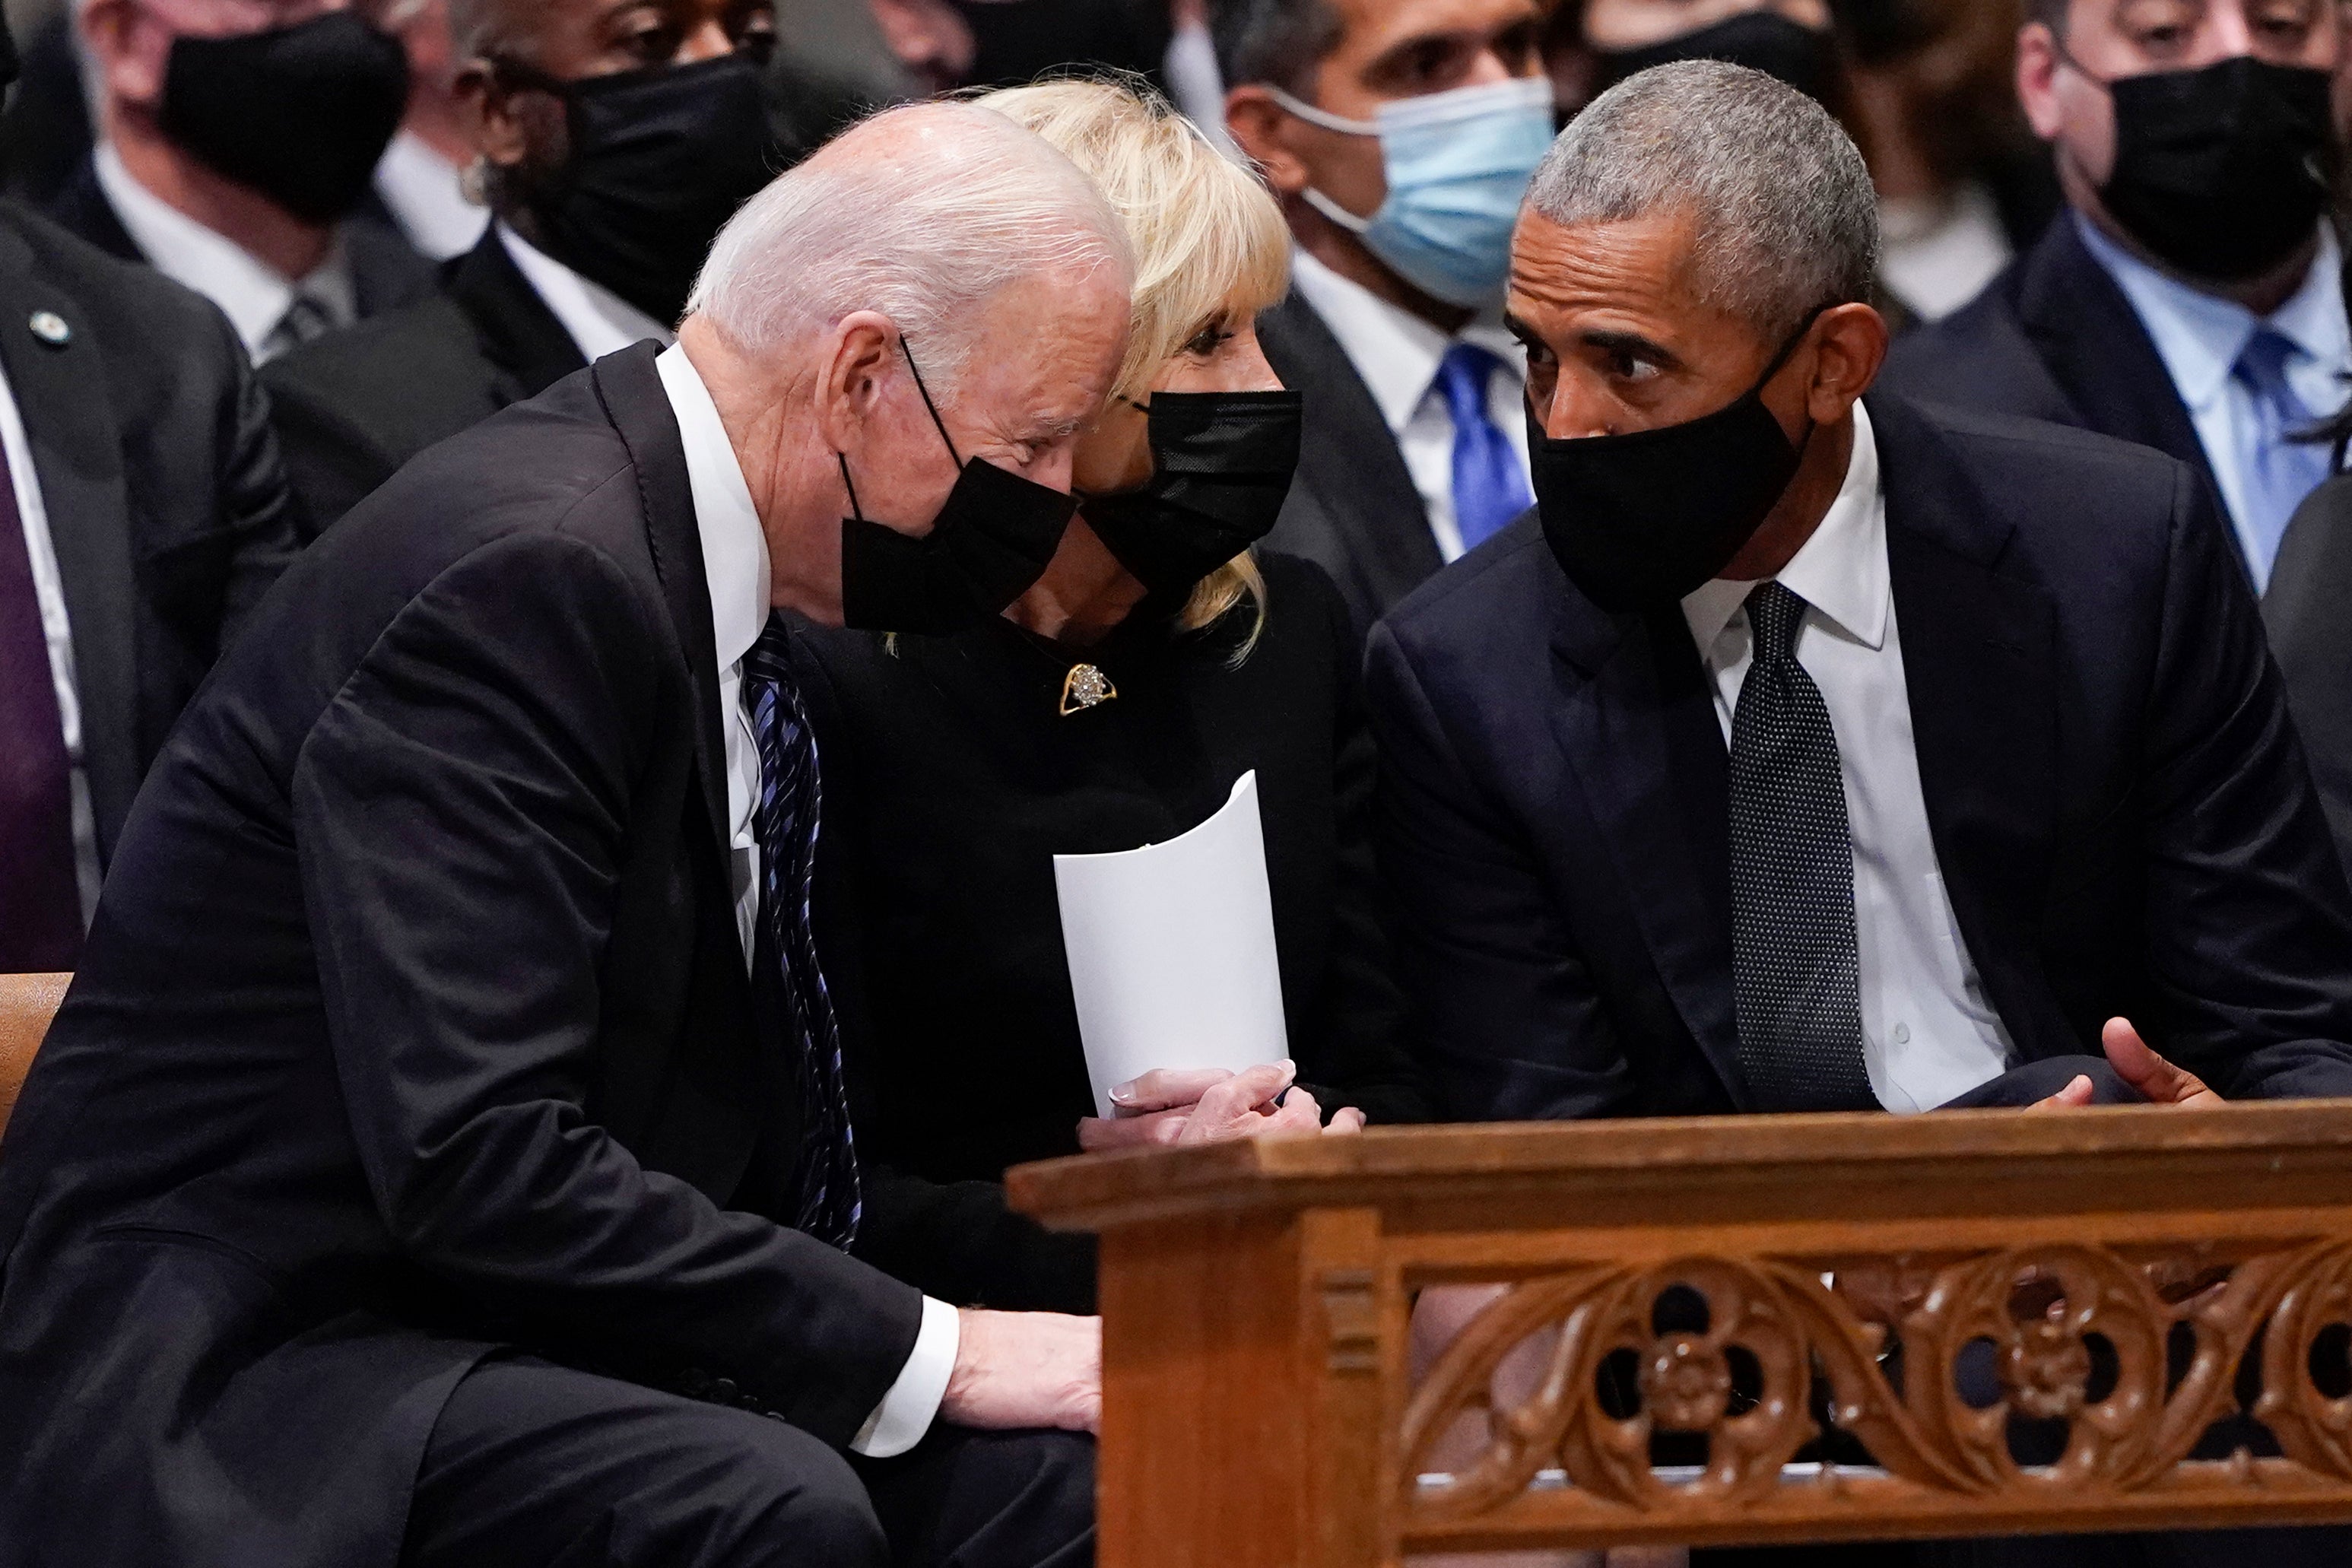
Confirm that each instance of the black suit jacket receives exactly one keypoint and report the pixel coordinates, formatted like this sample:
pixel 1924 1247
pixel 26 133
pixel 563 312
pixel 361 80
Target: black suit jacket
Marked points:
pixel 2120 807
pixel 160 479
pixel 355 406
pixel 2051 338
pixel 1353 509
pixel 2311 633
pixel 386 272
pixel 415 1023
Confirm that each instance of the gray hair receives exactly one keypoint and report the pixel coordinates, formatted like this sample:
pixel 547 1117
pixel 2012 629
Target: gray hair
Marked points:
pixel 1276 41
pixel 921 213
pixel 1788 219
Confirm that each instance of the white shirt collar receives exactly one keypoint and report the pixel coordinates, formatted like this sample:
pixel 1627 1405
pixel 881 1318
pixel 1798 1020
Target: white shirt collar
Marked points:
pixel 600 321
pixel 2200 336
pixel 250 292
pixel 427 195
pixel 1840 571
pixel 1394 350
pixel 734 546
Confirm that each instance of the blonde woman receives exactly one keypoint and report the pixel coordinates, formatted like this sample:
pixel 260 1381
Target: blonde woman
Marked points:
pixel 1115 705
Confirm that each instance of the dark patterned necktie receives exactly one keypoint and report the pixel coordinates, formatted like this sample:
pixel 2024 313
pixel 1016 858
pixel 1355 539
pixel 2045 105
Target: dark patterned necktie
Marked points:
pixel 1795 976
pixel 40 894
pixel 787 822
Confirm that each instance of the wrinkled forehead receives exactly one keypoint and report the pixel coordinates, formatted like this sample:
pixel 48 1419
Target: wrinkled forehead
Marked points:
pixel 1045 354
pixel 1651 264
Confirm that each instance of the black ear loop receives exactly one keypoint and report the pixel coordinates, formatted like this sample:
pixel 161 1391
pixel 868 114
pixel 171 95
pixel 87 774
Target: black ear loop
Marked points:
pixel 932 408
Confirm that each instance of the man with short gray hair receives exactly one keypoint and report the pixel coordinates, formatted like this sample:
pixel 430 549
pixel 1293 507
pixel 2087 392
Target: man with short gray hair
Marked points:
pixel 1812 750
pixel 1808 749
pixel 445 1155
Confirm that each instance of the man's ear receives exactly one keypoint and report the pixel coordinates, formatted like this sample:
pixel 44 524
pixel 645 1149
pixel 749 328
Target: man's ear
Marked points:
pixel 2037 71
pixel 133 68
pixel 855 367
pixel 1850 348
pixel 1261 126
pixel 493 118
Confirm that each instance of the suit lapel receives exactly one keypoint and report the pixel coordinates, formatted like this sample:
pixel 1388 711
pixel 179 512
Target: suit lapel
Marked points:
pixel 1637 722
pixel 633 400
pixel 2097 348
pixel 1978 652
pixel 517 332
pixel 82 207
pixel 1350 462
pixel 61 395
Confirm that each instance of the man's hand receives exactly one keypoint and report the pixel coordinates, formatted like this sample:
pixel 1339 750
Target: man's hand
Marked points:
pixel 1024 1371
pixel 2158 1081
pixel 1168 1107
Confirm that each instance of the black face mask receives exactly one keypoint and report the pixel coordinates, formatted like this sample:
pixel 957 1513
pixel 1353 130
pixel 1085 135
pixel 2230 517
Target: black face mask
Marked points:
pixel 2220 173
pixel 661 159
pixel 1221 464
pixel 990 543
pixel 301 115
pixel 1641 519
pixel 1760 40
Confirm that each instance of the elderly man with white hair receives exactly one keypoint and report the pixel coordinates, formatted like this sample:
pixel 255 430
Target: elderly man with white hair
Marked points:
pixel 443 1157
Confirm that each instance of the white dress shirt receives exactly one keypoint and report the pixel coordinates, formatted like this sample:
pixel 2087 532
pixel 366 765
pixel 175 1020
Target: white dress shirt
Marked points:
pixel 426 195
pixel 2200 337
pixel 1398 353
pixel 735 561
pixel 1928 1033
pixel 57 633
pixel 249 291
pixel 601 322
pixel 1941 251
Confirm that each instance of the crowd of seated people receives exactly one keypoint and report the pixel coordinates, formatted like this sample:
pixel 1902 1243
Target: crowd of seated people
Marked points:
pixel 566 577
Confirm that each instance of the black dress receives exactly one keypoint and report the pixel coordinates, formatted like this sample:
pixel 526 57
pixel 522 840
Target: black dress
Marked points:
pixel 951 781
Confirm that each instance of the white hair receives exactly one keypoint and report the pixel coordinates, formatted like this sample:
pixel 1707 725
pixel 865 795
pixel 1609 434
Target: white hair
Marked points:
pixel 922 214
pixel 1788 218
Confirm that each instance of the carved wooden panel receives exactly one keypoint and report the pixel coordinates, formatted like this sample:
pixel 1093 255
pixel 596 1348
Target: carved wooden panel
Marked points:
pixel 2040 1382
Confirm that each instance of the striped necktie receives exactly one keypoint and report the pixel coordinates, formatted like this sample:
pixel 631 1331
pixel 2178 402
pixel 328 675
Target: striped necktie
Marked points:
pixel 787 823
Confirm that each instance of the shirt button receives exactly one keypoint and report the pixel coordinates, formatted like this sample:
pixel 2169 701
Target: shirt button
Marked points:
pixel 1902 1033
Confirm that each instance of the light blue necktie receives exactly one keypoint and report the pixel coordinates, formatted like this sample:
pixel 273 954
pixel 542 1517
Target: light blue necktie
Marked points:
pixel 1490 486
pixel 2276 471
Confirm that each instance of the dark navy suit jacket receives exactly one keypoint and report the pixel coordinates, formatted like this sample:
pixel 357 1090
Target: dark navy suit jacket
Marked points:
pixel 2120 807
pixel 2051 338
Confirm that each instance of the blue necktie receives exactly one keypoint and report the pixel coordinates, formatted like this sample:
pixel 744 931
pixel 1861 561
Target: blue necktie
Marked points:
pixel 1490 486
pixel 2276 471
pixel 789 817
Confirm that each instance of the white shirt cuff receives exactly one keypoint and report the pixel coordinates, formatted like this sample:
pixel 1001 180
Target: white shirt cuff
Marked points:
pixel 907 1412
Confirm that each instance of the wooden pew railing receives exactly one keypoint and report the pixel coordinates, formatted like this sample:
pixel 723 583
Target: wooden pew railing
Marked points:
pixel 2093 1320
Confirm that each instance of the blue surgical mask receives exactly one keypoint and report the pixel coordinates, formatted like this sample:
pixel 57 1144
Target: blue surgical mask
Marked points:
pixel 1458 165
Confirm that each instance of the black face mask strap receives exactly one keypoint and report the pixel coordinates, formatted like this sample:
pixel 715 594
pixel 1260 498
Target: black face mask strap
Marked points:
pixel 854 510
pixel 1788 349
pixel 927 403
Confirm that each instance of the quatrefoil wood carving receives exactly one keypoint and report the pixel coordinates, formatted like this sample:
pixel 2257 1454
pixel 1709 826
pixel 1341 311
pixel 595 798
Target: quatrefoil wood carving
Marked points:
pixel 2041 1309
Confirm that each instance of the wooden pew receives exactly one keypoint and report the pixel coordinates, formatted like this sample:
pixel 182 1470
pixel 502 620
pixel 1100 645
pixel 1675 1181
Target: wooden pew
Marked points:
pixel 2112 1269
pixel 28 1003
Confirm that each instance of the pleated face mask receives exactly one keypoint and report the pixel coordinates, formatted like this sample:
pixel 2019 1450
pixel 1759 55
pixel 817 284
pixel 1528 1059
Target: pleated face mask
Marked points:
pixel 1222 463
pixel 992 541
pixel 1457 165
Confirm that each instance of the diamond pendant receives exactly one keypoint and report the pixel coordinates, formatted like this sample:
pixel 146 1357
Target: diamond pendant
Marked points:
pixel 1085 687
